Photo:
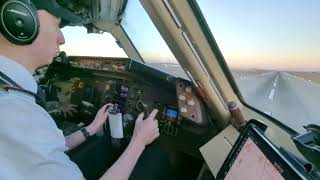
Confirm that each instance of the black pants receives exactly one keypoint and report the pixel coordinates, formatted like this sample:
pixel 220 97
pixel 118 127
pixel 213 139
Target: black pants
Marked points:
pixel 96 155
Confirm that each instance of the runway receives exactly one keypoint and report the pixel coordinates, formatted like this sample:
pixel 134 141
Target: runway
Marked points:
pixel 290 99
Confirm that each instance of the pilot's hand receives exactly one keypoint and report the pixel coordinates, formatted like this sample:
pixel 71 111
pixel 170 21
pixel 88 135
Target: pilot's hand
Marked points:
pixel 99 120
pixel 146 131
pixel 68 109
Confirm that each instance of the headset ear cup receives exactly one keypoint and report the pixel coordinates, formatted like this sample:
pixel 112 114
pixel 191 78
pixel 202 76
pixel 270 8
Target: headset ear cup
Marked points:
pixel 19 22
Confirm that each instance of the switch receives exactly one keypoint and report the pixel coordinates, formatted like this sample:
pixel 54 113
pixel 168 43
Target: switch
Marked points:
pixel 190 102
pixel 115 67
pixel 188 89
pixel 182 98
pixel 183 110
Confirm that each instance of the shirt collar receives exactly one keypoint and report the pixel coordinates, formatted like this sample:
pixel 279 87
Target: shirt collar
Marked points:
pixel 18 73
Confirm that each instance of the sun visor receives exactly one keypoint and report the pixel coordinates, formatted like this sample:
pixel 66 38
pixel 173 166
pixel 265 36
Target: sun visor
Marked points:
pixel 67 17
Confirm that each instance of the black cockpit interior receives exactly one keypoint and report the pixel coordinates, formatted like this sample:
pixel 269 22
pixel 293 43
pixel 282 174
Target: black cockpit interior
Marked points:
pixel 87 83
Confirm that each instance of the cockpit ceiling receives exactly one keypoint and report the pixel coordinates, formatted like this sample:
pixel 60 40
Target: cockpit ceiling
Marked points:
pixel 91 11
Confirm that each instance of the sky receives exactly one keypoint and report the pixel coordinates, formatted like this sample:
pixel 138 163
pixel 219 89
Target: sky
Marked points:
pixel 251 34
pixel 267 34
pixel 79 42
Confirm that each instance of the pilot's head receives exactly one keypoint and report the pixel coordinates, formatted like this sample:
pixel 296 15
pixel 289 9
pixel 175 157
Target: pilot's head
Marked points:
pixel 50 37
pixel 30 32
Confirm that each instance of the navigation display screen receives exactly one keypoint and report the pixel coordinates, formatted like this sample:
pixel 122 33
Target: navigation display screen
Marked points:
pixel 254 156
pixel 251 162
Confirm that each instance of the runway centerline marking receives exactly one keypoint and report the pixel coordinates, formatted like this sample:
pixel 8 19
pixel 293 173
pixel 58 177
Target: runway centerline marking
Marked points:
pixel 271 95
pixel 276 81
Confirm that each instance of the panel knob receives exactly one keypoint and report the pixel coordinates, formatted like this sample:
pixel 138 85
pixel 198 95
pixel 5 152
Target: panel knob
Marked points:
pixel 182 98
pixel 190 102
pixel 188 89
pixel 183 110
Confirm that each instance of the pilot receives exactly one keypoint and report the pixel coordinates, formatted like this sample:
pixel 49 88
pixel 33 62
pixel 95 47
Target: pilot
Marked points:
pixel 32 147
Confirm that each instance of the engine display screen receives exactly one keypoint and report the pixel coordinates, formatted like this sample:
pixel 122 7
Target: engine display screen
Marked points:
pixel 172 113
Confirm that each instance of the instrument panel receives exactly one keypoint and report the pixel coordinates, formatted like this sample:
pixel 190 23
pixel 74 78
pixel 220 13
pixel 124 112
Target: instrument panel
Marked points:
pixel 87 83
pixel 131 97
pixel 76 87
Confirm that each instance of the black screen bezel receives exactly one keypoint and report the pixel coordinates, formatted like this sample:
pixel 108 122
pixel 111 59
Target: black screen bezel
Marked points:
pixel 268 149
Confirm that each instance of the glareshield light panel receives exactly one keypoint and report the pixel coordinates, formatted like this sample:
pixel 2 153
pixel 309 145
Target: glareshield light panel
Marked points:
pixel 272 49
pixel 148 41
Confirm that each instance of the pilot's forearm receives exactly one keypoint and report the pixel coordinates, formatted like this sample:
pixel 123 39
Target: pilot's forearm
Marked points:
pixel 74 139
pixel 123 167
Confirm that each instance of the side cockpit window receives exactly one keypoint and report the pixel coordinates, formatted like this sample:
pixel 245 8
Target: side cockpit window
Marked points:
pixel 271 48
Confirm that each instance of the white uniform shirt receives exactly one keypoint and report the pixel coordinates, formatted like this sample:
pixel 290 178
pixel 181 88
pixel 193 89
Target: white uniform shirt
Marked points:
pixel 31 145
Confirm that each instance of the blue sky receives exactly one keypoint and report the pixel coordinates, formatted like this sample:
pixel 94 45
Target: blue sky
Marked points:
pixel 263 34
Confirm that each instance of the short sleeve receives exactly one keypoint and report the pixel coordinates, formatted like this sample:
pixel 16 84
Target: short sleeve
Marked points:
pixel 32 147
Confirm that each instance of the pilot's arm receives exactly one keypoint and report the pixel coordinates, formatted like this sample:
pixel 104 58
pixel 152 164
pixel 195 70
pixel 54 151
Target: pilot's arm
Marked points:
pixel 76 138
pixel 32 146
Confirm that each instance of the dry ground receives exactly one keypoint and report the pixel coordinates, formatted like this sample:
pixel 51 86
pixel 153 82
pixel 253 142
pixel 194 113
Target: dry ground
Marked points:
pixel 312 76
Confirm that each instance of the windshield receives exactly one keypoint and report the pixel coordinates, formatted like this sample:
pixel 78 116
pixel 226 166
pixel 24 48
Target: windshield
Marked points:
pixel 148 41
pixel 80 43
pixel 272 49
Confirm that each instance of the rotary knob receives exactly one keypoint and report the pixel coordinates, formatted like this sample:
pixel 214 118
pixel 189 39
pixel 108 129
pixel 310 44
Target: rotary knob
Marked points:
pixel 182 98
pixel 190 102
pixel 183 110
pixel 188 89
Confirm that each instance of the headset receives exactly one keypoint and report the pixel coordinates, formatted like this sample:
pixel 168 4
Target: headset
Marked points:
pixel 19 21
